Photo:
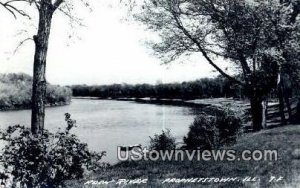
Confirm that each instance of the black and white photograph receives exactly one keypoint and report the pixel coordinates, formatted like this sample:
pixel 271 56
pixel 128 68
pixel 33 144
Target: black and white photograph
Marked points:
pixel 149 93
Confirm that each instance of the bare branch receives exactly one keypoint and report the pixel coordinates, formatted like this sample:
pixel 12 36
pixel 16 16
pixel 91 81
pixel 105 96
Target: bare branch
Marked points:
pixel 21 44
pixel 71 17
pixel 12 12
pixel 13 9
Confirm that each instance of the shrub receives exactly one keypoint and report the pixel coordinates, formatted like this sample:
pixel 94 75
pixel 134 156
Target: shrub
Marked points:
pixel 212 131
pixel 164 141
pixel 46 160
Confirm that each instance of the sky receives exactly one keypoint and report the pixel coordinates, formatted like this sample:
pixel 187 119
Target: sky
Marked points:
pixel 106 50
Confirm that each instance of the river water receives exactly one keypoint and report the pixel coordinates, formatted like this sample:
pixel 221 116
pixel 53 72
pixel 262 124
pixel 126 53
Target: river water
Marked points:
pixel 106 124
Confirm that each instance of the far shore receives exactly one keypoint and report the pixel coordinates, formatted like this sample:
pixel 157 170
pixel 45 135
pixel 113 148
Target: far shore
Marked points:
pixel 29 107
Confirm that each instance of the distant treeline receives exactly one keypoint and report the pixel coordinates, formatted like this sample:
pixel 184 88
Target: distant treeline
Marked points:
pixel 202 88
pixel 15 92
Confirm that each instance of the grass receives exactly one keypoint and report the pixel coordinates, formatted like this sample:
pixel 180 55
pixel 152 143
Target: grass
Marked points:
pixel 284 139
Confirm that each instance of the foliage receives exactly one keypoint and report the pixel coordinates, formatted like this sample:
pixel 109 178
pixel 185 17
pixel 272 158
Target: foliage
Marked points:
pixel 46 160
pixel 213 131
pixel 15 92
pixel 256 36
pixel 163 141
pixel 202 88
pixel 247 33
pixel 58 95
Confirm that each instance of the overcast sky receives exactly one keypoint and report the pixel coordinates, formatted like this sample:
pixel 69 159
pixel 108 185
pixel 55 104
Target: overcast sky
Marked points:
pixel 107 50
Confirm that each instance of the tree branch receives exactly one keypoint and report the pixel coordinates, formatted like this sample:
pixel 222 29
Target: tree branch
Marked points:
pixel 204 53
pixel 57 3
pixel 20 44
pixel 13 10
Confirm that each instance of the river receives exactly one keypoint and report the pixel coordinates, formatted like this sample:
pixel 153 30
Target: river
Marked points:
pixel 106 124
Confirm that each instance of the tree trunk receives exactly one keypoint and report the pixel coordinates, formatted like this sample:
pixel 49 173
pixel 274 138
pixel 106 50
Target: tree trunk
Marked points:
pixel 297 115
pixel 288 105
pixel 39 68
pixel 257 113
pixel 281 104
pixel 265 113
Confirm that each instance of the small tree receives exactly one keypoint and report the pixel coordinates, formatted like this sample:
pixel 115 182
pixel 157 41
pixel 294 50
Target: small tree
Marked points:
pixel 212 131
pixel 163 141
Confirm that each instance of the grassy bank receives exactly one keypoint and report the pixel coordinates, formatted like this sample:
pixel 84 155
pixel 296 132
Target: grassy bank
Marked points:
pixel 284 139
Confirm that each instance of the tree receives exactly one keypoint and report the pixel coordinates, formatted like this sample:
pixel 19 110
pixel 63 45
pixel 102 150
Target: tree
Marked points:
pixel 287 33
pixel 46 10
pixel 164 141
pixel 239 31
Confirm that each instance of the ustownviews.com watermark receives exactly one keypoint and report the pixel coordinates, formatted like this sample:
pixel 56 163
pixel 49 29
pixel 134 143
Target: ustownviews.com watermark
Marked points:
pixel 139 153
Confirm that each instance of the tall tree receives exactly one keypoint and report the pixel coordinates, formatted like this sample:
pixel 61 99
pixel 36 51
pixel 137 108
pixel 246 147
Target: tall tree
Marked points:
pixel 239 31
pixel 46 10
pixel 287 32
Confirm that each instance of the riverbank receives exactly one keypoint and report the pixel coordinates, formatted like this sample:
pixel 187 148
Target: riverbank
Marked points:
pixel 215 102
pixel 284 139
pixel 13 108
pixel 16 93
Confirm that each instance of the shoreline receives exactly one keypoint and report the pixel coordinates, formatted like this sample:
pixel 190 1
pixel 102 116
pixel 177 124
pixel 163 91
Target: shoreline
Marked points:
pixel 29 107
pixel 216 103
pixel 207 102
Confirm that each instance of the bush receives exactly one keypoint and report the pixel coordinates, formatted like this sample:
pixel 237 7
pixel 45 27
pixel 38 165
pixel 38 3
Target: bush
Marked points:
pixel 164 141
pixel 46 160
pixel 212 131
